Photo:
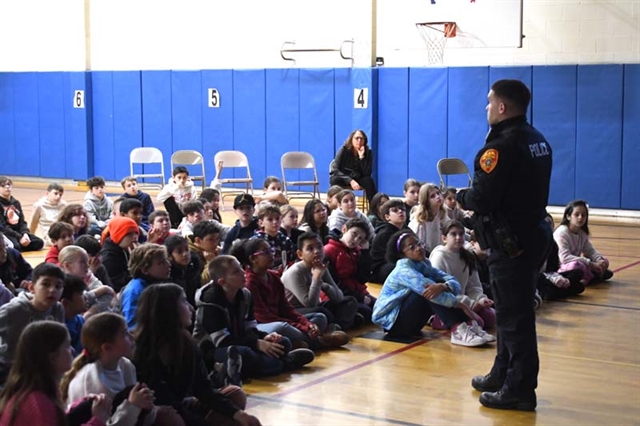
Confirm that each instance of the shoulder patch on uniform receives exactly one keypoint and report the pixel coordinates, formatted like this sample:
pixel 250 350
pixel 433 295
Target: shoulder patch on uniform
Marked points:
pixel 489 160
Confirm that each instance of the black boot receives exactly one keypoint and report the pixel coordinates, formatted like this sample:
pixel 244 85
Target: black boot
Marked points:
pixel 506 400
pixel 488 383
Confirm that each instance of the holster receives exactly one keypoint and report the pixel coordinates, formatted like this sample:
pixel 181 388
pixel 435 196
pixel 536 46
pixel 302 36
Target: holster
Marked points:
pixel 493 231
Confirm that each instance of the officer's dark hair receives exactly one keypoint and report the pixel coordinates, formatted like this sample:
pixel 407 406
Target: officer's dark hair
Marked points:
pixel 466 256
pixel 514 93
pixel 568 211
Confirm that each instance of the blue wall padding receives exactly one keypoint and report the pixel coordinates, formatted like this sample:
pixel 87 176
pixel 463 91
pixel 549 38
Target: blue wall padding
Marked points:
pixel 599 135
pixel 103 125
pixel 363 117
pixel 512 73
pixel 631 139
pixel 317 118
pixel 78 125
pixel 282 119
pixel 217 123
pixel 8 164
pixel 393 129
pixel 127 119
pixel 467 125
pixel 554 114
pixel 186 110
pixel 51 98
pixel 343 101
pixel 427 122
pixel 156 117
pixel 26 117
pixel 249 115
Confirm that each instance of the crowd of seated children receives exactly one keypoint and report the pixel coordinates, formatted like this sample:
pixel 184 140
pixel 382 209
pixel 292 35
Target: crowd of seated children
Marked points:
pixel 60 235
pixel 12 220
pixel 430 217
pixel 289 223
pixel 46 210
pixel 40 302
pixel 98 206
pixel 272 311
pixel 310 287
pixel 350 264
pixel 374 215
pixel 225 325
pixel 76 216
pixel 246 225
pixel 178 190
pixel 148 265
pixel 269 219
pixel 574 248
pixel 314 219
pixel 74 261
pixel 411 192
pixel 346 210
pixel 130 186
pixel 393 212
pixel 415 290
pixel 123 233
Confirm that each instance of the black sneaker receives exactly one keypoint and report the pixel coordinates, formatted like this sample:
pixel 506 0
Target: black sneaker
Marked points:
pixel 298 358
pixel 607 275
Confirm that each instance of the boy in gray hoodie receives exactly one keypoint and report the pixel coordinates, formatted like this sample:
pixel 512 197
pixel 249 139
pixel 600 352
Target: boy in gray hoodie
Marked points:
pixel 40 303
pixel 46 210
pixel 98 206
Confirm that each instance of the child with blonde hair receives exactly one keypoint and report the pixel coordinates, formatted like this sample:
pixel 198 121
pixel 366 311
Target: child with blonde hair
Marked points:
pixel 74 260
pixel 428 220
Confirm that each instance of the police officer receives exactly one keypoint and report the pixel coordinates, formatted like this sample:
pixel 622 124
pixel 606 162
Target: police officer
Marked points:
pixel 509 196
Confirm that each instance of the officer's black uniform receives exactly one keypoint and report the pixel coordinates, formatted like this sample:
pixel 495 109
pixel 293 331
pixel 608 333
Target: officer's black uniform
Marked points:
pixel 511 183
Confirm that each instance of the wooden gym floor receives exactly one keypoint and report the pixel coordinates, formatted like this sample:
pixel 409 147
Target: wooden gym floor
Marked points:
pixel 589 360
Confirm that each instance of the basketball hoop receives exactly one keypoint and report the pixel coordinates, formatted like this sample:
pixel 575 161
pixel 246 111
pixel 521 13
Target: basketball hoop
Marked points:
pixel 435 35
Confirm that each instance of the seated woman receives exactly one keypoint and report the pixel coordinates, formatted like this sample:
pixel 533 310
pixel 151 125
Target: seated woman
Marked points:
pixel 353 165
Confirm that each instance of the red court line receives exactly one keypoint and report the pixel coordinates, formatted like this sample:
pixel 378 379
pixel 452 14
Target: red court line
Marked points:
pixel 631 265
pixel 350 369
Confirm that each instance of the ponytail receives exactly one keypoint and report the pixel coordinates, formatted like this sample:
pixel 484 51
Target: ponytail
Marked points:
pixel 81 360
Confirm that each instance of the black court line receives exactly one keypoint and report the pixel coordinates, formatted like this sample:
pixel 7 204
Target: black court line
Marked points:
pixel 331 410
pixel 573 302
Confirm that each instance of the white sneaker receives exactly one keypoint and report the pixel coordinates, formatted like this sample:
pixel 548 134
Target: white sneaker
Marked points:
pixel 489 338
pixel 464 335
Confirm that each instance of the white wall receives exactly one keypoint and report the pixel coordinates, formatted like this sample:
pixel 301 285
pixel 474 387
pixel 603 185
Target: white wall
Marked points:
pixel 47 35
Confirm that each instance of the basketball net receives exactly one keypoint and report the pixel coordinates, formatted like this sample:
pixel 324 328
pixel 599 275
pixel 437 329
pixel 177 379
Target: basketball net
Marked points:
pixel 435 35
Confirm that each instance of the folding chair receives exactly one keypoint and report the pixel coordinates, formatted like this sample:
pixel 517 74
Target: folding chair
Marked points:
pixel 452 166
pixel 361 202
pixel 147 155
pixel 299 160
pixel 234 159
pixel 189 157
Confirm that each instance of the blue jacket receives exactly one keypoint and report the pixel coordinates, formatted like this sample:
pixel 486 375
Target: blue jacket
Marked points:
pixel 407 276
pixel 129 300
